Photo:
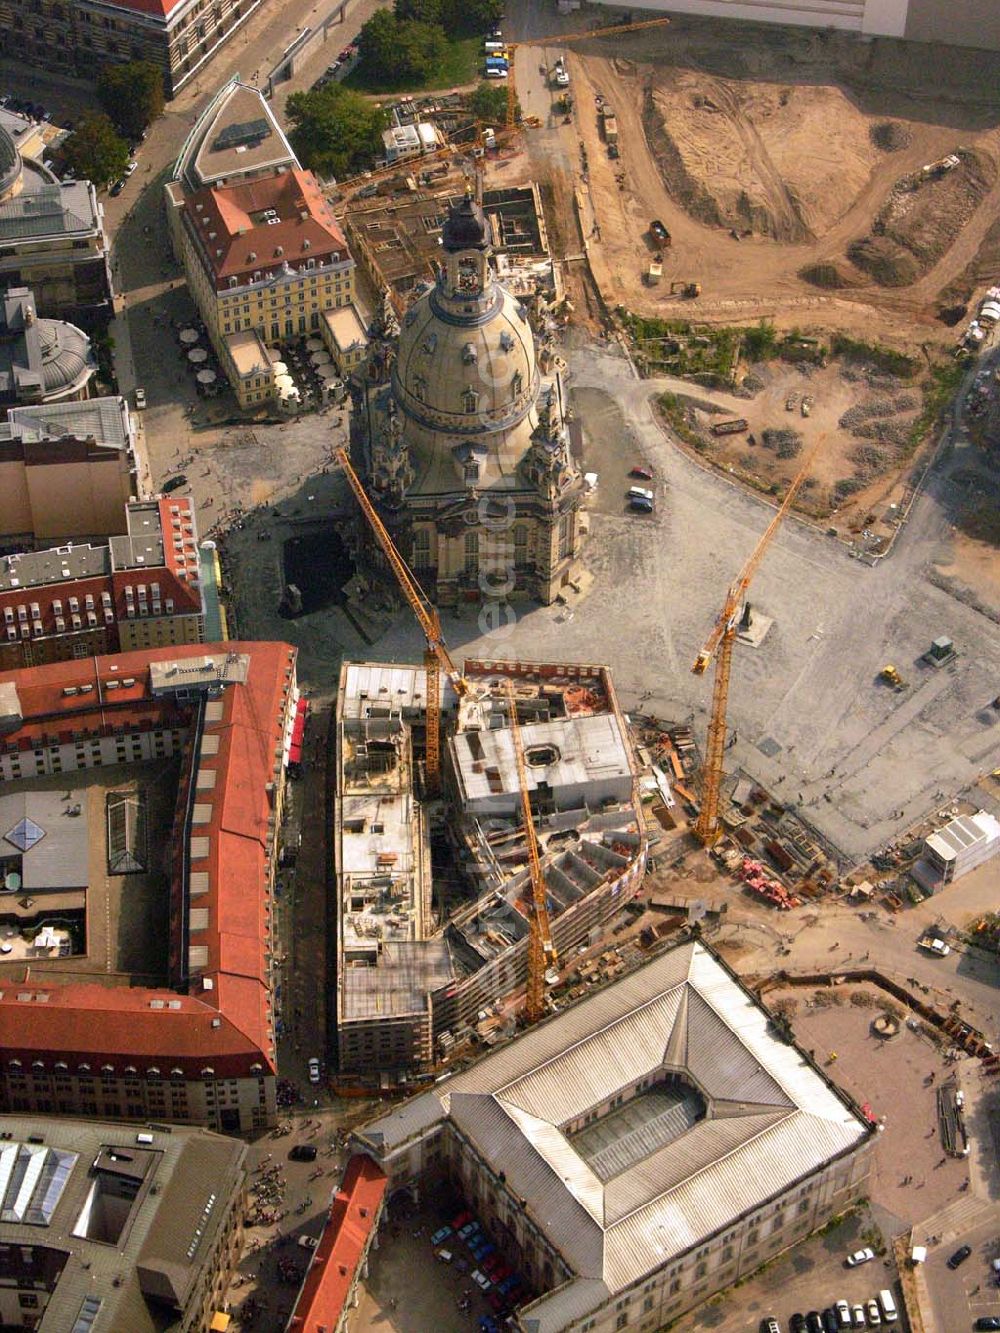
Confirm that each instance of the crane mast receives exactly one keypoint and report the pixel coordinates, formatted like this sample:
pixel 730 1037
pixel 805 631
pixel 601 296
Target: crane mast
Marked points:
pixel 719 645
pixel 541 950
pixel 436 657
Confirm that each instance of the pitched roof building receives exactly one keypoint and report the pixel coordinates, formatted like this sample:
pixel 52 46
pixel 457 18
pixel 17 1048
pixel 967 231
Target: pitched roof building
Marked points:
pixel 179 36
pixel 201 1049
pixel 340 1260
pixel 140 589
pixel 641 1149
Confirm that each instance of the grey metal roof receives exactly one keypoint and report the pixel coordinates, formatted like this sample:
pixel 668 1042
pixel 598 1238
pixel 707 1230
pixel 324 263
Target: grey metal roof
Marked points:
pixel 771 1118
pixel 170 1231
pixel 59 858
pixel 106 420
pixel 31 569
pixel 50 210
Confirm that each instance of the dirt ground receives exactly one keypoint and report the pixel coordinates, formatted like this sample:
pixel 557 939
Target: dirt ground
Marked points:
pixel 835 390
pixel 767 152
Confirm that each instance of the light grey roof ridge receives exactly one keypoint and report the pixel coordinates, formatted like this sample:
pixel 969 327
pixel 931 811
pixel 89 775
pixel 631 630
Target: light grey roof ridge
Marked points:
pixel 594 1032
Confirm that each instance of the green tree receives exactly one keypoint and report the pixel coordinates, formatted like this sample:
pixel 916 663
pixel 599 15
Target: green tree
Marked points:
pixel 132 95
pixel 94 150
pixel 395 51
pixel 335 131
pixel 470 15
pixel 424 11
pixel 489 104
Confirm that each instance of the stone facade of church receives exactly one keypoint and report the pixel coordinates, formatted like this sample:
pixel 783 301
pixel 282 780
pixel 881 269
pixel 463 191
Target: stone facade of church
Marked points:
pixel 467 444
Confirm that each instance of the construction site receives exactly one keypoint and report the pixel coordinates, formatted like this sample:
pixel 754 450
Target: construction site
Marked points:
pixel 436 887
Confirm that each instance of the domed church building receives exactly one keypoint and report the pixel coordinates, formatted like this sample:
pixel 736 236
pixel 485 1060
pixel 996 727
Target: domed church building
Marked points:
pixel 468 449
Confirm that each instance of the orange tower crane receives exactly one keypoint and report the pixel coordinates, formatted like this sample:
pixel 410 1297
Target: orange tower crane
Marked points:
pixel 436 657
pixel 541 950
pixel 561 38
pixel 720 645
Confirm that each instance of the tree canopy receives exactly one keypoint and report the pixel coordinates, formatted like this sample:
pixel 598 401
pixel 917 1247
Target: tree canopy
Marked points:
pixel 489 104
pixel 335 131
pixel 95 151
pixel 131 94
pixel 400 50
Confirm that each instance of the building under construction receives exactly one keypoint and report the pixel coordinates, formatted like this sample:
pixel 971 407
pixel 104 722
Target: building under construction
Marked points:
pixel 396 241
pixel 421 972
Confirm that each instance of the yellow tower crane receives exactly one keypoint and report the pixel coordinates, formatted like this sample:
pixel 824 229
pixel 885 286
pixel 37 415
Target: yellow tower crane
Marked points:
pixel 541 950
pixel 720 645
pixel 436 657
pixel 562 38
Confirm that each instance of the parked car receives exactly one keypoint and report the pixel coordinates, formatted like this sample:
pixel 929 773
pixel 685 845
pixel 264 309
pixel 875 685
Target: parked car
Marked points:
pixel 640 493
pixel 831 1323
pixel 988 1321
pixel 441 1235
pixel 131 167
pixel 874 1313
pixel 313 1069
pixel 303 1152
pixel 308 1242
pixel 659 230
pixel 797 1323
pixel 639 505
pixel 468 1229
pixel 140 399
pixel 960 1256
pixel 843 1313
pixel 858 1316
pixel 562 74
pixel 643 473
pixel 864 1256
pixel 117 187
pixel 174 483
pixel 813 1322
pixel 460 1219
pixel 481 1280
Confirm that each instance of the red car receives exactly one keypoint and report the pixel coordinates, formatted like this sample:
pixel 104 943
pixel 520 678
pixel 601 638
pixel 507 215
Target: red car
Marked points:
pixel 496 1268
pixel 461 1220
pixel 644 472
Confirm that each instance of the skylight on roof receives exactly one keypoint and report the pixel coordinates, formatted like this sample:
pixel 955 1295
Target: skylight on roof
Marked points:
pixel 24 835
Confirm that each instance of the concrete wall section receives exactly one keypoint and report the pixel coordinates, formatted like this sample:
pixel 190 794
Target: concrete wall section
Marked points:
pixel 954 22
pixel 846 14
pixel 887 18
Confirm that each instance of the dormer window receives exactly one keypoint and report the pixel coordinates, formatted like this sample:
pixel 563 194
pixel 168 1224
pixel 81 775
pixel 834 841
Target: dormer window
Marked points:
pixel 469 355
pixel 429 344
pixel 506 341
pixel 516 384
pixel 419 388
pixel 470 400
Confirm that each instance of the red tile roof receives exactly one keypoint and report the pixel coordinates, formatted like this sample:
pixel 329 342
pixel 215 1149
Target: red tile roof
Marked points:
pixel 160 9
pixel 342 1246
pixel 235 239
pixel 87 1019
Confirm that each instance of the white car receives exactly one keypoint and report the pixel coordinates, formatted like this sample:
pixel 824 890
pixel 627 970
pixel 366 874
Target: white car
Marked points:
pixel 843 1311
pixel 481 1280
pixel 934 944
pixel 640 493
pixel 313 1069
pixel 131 167
pixel 562 77
pixel 864 1256
pixel 140 399
pixel 858 1316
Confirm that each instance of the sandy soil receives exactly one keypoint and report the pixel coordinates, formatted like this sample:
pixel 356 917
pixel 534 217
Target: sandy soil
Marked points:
pixel 787 154
pixel 787 161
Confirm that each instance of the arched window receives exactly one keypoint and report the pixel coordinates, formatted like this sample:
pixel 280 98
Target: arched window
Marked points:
pixel 516 384
pixel 471 551
pixel 470 400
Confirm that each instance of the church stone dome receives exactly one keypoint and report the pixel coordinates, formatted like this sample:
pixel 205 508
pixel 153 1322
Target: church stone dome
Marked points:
pixel 466 378
pixel 10 164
